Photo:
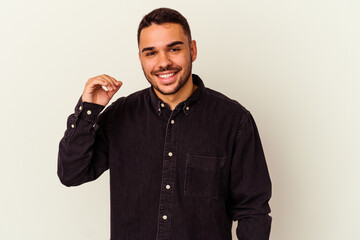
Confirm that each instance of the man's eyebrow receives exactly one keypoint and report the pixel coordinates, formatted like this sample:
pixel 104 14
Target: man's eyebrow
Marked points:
pixel 175 43
pixel 147 49
pixel 169 45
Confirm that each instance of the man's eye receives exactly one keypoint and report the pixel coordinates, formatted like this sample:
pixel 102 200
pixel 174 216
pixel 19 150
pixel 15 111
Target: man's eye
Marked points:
pixel 150 53
pixel 174 49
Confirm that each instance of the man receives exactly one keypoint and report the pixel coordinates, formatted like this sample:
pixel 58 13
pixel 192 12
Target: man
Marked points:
pixel 185 161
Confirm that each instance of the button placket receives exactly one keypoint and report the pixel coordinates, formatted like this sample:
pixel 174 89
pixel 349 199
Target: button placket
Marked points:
pixel 186 109
pixel 168 179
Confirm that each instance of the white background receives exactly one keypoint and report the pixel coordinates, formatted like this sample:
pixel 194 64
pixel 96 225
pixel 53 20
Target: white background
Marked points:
pixel 293 63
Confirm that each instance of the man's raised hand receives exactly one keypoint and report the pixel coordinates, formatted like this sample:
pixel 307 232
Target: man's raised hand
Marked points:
pixel 95 93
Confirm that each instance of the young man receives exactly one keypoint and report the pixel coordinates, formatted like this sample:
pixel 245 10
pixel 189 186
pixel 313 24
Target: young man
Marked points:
pixel 185 161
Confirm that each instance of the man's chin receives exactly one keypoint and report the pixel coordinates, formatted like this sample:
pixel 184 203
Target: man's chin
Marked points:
pixel 166 92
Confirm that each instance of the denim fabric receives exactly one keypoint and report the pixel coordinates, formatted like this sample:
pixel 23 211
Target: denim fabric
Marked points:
pixel 185 174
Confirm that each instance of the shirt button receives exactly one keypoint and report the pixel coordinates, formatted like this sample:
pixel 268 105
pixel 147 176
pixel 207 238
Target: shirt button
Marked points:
pixel 167 186
pixel 72 126
pixel 162 105
pixel 88 112
pixel 170 154
pixel 187 108
pixel 80 108
pixel 164 217
pixel 172 121
pixel 159 110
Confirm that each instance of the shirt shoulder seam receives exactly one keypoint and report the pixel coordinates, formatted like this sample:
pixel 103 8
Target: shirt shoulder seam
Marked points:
pixel 241 126
pixel 226 99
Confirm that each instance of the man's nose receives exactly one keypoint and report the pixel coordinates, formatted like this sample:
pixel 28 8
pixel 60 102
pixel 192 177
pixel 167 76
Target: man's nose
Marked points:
pixel 164 60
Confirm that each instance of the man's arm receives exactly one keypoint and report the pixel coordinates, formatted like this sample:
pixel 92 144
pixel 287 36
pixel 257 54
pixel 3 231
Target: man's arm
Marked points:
pixel 250 186
pixel 83 151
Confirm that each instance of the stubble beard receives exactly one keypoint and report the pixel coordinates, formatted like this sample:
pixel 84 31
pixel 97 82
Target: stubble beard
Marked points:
pixel 182 81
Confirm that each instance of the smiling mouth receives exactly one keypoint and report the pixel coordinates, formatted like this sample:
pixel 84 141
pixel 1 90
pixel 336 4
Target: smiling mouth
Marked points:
pixel 166 78
pixel 168 75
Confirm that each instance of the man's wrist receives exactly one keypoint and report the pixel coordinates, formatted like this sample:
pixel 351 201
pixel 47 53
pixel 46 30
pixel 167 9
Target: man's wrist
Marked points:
pixel 88 111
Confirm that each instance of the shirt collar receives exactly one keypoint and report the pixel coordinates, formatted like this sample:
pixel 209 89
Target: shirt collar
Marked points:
pixel 159 105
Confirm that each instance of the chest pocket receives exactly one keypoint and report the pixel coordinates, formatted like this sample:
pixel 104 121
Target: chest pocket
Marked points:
pixel 203 176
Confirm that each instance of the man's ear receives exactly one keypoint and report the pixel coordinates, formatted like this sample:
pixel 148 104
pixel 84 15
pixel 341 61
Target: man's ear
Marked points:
pixel 193 50
pixel 140 61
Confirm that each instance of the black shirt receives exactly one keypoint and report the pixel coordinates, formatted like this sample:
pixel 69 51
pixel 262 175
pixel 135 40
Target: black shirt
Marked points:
pixel 185 174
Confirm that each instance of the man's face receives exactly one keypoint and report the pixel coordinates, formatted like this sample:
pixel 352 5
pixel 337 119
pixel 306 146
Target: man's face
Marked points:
pixel 166 57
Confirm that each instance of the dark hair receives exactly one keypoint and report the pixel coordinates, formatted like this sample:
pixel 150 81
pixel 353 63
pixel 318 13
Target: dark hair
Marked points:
pixel 164 15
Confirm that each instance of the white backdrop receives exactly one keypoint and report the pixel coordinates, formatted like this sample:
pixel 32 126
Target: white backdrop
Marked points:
pixel 293 63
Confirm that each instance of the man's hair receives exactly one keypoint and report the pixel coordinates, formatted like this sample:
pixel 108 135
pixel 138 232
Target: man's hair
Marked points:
pixel 164 15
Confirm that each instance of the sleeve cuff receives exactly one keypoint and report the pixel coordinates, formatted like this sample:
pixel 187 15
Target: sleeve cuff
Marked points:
pixel 88 111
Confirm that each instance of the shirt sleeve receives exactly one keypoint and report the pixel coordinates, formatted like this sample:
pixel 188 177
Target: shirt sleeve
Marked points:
pixel 83 151
pixel 250 184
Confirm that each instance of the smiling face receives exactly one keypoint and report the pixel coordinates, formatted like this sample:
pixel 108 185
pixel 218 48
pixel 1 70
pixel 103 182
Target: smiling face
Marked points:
pixel 166 57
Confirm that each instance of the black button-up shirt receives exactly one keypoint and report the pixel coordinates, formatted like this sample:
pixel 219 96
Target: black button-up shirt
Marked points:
pixel 185 174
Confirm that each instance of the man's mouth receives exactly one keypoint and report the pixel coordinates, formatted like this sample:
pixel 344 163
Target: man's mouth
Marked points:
pixel 166 75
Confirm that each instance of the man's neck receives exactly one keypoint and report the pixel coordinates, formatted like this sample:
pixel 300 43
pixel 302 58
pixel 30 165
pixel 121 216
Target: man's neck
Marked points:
pixel 184 93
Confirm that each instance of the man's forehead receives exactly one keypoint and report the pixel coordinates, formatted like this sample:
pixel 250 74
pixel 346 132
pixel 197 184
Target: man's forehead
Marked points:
pixel 162 34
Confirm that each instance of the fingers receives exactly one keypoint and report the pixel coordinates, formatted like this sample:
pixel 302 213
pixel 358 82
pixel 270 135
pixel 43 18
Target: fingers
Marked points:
pixel 113 84
pixel 112 93
pixel 104 80
pixel 95 92
pixel 96 82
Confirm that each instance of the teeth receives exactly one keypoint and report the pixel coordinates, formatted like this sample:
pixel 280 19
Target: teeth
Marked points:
pixel 166 75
